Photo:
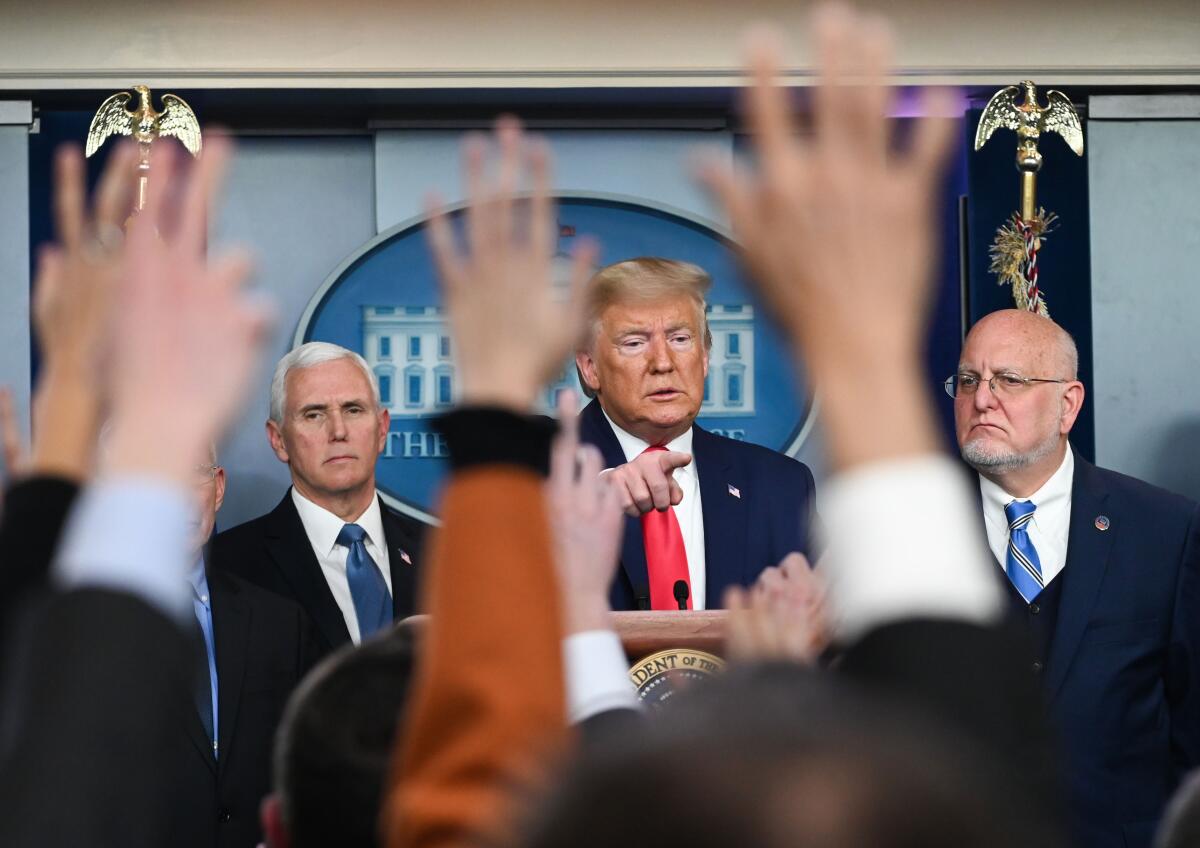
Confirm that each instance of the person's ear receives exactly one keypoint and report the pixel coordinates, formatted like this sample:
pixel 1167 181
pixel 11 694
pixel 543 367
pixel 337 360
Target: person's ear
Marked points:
pixel 1072 403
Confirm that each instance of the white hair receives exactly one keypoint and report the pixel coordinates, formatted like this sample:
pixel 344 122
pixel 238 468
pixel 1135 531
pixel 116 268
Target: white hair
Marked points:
pixel 306 356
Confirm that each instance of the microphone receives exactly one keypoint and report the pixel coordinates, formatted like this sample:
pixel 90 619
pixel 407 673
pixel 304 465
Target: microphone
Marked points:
pixel 681 593
pixel 643 599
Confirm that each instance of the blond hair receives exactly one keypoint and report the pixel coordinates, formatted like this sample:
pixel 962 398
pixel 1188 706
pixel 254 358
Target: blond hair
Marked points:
pixel 644 279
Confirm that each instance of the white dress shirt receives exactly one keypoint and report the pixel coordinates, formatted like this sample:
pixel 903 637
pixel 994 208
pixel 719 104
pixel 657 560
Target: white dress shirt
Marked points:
pixel 1049 527
pixel 323 527
pixel 130 533
pixel 687 512
pixel 940 570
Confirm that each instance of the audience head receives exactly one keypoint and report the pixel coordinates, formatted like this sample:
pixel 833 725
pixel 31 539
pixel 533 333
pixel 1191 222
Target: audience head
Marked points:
pixel 208 490
pixel 333 747
pixel 646 354
pixel 1011 430
pixel 327 423
pixel 774 756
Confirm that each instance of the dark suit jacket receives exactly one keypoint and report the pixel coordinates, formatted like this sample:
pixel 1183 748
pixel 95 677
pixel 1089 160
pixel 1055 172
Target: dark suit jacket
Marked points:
pixel 87 740
pixel 263 649
pixel 273 551
pixel 1122 676
pixel 771 516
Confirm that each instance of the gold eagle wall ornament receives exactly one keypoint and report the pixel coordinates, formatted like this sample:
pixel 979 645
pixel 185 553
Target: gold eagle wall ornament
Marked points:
pixel 1015 248
pixel 145 124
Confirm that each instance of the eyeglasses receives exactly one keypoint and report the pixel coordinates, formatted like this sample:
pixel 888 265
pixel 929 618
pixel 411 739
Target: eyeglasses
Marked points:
pixel 202 475
pixel 1005 384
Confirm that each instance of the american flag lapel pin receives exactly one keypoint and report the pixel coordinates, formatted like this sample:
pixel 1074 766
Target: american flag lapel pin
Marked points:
pixel 404 556
pixel 735 491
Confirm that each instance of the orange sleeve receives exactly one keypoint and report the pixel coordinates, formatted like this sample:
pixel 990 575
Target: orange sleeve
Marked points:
pixel 488 700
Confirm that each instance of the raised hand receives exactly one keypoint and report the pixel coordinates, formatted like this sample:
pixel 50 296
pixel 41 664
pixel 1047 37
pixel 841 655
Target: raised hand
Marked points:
pixel 77 279
pixel 838 231
pixel 188 336
pixel 585 518
pixel 782 616
pixel 512 331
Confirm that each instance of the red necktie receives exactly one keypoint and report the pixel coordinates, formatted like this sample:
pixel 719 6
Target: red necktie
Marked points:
pixel 666 558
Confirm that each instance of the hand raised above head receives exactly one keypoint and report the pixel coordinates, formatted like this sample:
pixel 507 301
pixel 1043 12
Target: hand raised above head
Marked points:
pixel 647 482
pixel 188 335
pixel 77 278
pixel 512 331
pixel 838 228
pixel 586 521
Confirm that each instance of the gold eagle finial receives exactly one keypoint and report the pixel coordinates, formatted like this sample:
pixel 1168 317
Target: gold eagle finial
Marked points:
pixel 144 123
pixel 1028 119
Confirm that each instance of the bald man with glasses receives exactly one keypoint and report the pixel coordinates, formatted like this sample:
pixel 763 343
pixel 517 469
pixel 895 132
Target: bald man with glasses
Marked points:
pixel 1102 570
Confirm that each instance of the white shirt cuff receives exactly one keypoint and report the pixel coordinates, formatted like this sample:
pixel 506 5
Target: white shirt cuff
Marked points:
pixel 130 534
pixel 905 541
pixel 597 675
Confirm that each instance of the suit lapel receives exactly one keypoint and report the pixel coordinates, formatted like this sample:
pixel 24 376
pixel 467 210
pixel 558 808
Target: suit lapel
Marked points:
pixel 288 545
pixel 404 573
pixel 231 627
pixel 1087 561
pixel 726 517
pixel 594 430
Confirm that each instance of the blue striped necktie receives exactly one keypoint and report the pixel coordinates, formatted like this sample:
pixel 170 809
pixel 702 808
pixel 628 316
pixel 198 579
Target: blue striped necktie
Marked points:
pixel 372 603
pixel 1022 563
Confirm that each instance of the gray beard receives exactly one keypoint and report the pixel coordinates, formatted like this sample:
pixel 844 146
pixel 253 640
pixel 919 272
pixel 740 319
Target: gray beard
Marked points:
pixel 1002 462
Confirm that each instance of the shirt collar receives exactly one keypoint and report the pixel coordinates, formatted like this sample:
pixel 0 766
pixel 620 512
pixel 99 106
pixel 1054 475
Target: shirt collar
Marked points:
pixel 633 447
pixel 1053 492
pixel 323 527
pixel 197 579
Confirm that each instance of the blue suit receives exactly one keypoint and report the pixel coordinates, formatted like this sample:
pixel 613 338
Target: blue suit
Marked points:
pixel 1122 670
pixel 771 515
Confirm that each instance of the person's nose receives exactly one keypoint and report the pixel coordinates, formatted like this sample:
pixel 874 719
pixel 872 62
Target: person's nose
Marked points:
pixel 984 398
pixel 661 360
pixel 337 427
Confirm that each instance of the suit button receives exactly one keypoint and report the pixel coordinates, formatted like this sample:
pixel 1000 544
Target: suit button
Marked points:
pixel 1037 667
pixel 224 816
pixel 1034 609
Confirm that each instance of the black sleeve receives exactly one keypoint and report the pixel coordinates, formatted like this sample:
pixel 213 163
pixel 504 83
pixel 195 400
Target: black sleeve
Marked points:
pixel 86 733
pixel 494 436
pixel 31 523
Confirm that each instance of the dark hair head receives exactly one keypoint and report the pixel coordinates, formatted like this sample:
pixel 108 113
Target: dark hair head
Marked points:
pixel 333 747
pixel 774 756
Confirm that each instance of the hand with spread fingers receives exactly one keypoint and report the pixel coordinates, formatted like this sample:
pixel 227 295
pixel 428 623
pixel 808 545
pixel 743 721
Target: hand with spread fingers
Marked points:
pixel 838 229
pixel 585 518
pixel 783 616
pixel 74 301
pixel 187 335
pixel 512 331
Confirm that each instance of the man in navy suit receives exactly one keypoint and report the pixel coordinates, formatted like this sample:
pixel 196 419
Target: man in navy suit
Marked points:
pixel 705 512
pixel 1103 570
pixel 330 544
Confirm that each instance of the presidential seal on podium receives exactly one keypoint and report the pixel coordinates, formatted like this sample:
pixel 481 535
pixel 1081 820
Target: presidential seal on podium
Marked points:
pixel 661 676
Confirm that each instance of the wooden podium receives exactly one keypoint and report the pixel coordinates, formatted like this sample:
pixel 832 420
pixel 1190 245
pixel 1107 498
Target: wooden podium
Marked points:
pixel 644 633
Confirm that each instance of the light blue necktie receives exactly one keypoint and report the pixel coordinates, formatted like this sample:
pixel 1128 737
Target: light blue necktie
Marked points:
pixel 372 603
pixel 1022 563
